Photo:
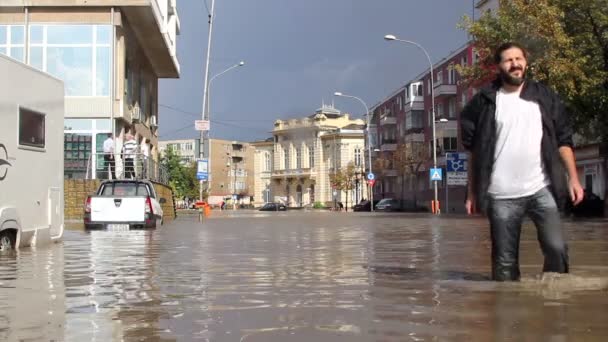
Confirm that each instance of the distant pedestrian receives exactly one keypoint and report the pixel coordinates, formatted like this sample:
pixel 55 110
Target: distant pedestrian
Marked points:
pixel 520 140
pixel 340 205
pixel 129 151
pixel 108 157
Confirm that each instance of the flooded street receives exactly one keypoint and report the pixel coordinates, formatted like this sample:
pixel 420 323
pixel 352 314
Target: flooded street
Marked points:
pixel 301 276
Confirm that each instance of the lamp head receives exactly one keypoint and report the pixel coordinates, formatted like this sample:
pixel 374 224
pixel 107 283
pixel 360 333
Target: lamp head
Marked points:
pixel 241 63
pixel 338 93
pixel 390 37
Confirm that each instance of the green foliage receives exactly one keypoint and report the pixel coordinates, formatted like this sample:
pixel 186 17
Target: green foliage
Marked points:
pixel 318 205
pixel 182 178
pixel 568 45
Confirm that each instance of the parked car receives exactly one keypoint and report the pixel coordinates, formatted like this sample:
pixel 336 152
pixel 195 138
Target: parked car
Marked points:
pixel 364 206
pixel 124 204
pixel 388 204
pixel 591 206
pixel 273 207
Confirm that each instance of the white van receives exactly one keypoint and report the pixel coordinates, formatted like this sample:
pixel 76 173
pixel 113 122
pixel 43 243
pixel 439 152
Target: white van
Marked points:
pixel 31 156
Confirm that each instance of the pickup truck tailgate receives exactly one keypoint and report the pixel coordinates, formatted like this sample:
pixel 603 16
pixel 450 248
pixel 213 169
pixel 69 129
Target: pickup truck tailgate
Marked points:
pixel 118 209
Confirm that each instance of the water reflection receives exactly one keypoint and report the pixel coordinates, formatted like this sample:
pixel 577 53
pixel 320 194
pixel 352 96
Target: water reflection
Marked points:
pixel 300 277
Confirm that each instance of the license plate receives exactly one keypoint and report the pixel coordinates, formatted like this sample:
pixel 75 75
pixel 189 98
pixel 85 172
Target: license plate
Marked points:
pixel 118 227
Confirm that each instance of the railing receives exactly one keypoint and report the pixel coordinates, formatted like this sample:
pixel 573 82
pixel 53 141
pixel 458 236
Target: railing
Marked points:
pixel 99 166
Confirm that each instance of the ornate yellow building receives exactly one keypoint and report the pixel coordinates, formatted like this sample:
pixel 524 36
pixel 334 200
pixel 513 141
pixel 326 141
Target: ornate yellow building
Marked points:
pixel 294 167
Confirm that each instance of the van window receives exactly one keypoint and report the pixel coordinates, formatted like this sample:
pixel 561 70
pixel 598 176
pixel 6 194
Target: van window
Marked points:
pixel 31 128
pixel 125 189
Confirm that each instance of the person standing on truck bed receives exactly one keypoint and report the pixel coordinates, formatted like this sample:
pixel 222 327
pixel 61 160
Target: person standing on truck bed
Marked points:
pixel 108 156
pixel 129 150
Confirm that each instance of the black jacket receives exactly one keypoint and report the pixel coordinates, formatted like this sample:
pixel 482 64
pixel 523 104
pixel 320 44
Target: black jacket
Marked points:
pixel 478 134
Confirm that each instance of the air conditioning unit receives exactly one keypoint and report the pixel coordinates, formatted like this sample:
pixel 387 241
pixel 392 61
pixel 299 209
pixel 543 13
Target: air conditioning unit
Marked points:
pixel 136 114
pixel 153 122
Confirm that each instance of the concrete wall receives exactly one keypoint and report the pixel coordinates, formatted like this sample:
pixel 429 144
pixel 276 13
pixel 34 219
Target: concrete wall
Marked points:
pixel 77 190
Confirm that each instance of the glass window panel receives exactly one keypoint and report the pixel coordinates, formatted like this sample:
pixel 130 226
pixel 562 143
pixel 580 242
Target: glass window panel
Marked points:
pixel 103 125
pixel 104 34
pixel 73 65
pixel 3 50
pixel 17 35
pixel 36 34
pixel 3 32
pixel 36 57
pixel 78 124
pixel 31 128
pixel 69 34
pixel 17 53
pixel 102 79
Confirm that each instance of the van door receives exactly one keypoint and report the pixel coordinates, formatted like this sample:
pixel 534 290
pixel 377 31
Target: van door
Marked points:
pixel 55 212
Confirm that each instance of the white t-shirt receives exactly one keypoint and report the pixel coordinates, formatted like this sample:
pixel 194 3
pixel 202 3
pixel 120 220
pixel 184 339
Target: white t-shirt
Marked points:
pixel 108 146
pixel 145 150
pixel 518 168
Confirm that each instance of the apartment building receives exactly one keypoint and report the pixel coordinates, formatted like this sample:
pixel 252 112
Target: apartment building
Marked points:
pixel 231 171
pixel 404 120
pixel 110 55
pixel 186 149
pixel 306 151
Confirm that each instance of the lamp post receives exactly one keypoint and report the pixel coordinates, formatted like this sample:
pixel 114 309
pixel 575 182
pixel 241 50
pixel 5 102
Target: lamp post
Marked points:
pixel 369 142
pixel 391 37
pixel 442 135
pixel 207 95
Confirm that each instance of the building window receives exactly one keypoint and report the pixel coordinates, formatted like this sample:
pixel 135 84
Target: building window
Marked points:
pixel 287 161
pixel 450 144
pixel 428 87
pixel 358 156
pixel 79 55
pixel 267 162
pixel 439 111
pixel 12 41
pixel 452 108
pixel 311 157
pixel 298 158
pixel 439 77
pixel 451 74
pixel 31 128
pixel 420 90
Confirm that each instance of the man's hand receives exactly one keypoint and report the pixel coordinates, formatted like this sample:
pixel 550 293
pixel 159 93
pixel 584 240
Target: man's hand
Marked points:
pixel 469 204
pixel 576 191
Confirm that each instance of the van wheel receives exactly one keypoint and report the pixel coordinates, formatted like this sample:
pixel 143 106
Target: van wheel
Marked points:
pixel 8 239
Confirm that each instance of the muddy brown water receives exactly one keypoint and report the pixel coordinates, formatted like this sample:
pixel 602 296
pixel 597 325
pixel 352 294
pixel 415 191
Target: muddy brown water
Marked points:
pixel 301 276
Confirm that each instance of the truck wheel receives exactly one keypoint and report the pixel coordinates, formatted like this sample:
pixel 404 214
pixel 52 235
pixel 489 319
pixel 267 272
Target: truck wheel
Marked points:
pixel 8 239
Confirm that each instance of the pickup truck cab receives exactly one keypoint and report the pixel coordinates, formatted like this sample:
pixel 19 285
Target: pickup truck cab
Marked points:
pixel 124 204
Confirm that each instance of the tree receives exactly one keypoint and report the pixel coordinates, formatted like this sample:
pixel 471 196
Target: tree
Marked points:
pixel 409 159
pixel 568 44
pixel 344 180
pixel 181 178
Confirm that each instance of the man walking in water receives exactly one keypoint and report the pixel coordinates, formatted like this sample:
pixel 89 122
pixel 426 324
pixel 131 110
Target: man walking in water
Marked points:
pixel 520 140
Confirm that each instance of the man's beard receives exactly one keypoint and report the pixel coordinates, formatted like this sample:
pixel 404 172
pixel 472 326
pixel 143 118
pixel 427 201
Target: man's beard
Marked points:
pixel 507 78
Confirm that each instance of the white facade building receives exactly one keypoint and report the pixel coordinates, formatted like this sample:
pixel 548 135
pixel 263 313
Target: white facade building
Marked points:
pixel 307 151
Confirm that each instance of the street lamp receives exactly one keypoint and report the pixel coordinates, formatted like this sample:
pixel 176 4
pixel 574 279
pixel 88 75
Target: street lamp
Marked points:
pixel 208 106
pixel 369 142
pixel 390 37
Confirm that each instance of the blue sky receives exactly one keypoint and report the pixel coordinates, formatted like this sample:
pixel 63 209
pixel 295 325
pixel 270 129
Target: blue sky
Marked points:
pixel 297 53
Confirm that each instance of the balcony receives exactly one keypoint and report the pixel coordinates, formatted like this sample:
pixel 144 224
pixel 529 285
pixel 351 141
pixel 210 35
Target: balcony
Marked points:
pixel 388 145
pixel 303 172
pixel 156 26
pixel 414 105
pixel 389 173
pixel 388 120
pixel 445 90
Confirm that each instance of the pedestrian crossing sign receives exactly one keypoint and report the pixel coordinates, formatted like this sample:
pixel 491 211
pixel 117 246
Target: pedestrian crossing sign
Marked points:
pixel 435 174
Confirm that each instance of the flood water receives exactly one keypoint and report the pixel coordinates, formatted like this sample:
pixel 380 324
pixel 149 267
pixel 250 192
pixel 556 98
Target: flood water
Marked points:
pixel 301 276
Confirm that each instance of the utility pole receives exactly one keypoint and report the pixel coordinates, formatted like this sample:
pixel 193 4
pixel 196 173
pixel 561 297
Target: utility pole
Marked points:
pixel 204 146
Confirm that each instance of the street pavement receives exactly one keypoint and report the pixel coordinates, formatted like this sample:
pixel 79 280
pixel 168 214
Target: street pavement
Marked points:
pixel 302 276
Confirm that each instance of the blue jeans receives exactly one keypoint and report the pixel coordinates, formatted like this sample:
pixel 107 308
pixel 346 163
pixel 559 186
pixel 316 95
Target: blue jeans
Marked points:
pixel 506 217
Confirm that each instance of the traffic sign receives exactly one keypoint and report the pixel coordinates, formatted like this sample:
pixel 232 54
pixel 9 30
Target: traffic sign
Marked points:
pixel 435 174
pixel 201 125
pixel 371 176
pixel 457 166
pixel 372 182
pixel 202 169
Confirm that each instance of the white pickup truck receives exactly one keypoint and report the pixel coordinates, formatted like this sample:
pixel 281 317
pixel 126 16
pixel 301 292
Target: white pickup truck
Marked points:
pixel 122 205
